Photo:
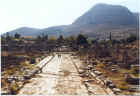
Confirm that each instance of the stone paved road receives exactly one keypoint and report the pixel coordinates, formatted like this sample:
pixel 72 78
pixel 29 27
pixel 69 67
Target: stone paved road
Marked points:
pixel 58 77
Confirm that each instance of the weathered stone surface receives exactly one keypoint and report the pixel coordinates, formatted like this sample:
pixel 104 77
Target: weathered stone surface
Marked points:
pixel 94 63
pixel 116 90
pixel 21 79
pixel 93 74
pixel 5 92
pixel 111 86
pixel 107 82
pixel 81 71
pixel 130 80
pixel 133 89
pixel 98 72
pixel 83 75
pixel 114 70
pixel 93 70
pixel 27 76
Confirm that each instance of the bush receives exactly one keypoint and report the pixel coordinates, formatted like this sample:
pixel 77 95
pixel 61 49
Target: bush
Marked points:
pixel 132 38
pixel 81 40
pixel 123 85
pixel 101 65
pixel 115 41
pixel 93 41
pixel 14 88
pixel 17 36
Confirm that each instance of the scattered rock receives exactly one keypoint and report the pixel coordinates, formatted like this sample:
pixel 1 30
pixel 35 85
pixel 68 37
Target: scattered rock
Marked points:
pixel 116 90
pixel 107 82
pixel 21 79
pixel 81 71
pixel 27 76
pixel 86 80
pixel 100 77
pixel 108 63
pixel 94 75
pixel 114 70
pixel 89 80
pixel 93 70
pixel 83 75
pixel 111 86
pixel 90 67
pixel 20 84
pixel 5 93
pixel 130 80
pixel 98 72
pixel 133 88
pixel 94 63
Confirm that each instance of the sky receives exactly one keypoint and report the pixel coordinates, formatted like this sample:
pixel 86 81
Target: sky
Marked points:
pixel 47 13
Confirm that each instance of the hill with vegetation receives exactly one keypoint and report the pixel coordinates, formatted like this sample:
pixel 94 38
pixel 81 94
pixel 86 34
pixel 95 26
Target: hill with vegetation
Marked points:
pixel 98 22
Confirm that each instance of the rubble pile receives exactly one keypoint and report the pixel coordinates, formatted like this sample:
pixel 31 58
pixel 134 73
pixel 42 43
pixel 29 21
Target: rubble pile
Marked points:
pixel 97 76
pixel 18 80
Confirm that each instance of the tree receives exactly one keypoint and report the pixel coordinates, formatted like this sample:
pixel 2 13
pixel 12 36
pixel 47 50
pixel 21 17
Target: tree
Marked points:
pixel 38 39
pixel 93 41
pixel 3 39
pixel 17 36
pixel 8 37
pixel 60 39
pixel 110 36
pixel 131 38
pixel 125 59
pixel 81 40
pixel 44 37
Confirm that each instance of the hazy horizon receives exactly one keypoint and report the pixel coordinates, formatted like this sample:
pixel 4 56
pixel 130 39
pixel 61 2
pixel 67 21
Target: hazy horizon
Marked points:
pixel 47 13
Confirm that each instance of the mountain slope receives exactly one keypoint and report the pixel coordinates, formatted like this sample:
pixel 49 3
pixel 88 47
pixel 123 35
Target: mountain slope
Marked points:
pixel 98 22
pixel 26 31
pixel 107 14
pixel 103 19
pixel 55 30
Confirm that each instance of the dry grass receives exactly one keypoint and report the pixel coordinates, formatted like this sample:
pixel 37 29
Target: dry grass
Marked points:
pixel 14 88
pixel 27 81
pixel 3 83
pixel 100 65
pixel 123 85
pixel 4 53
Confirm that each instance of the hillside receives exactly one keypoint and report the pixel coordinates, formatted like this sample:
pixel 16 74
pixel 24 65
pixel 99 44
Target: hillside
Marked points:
pixel 26 31
pixel 103 18
pixel 55 30
pixel 107 14
pixel 98 22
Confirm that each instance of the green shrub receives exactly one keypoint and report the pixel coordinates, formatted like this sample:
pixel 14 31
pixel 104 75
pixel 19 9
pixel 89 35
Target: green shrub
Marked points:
pixel 132 38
